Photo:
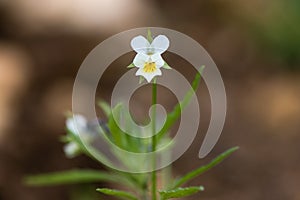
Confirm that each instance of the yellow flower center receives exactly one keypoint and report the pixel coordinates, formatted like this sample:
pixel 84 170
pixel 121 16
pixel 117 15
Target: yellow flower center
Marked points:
pixel 149 67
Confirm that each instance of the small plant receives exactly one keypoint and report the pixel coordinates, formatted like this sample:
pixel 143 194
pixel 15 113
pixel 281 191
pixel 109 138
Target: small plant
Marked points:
pixel 142 185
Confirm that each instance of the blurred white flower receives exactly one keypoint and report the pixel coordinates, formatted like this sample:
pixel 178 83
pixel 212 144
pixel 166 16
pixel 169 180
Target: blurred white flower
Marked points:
pixel 71 149
pixel 148 59
pixel 78 125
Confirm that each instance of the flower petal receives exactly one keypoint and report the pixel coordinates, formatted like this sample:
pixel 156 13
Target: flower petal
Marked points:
pixel 159 61
pixel 140 44
pixel 140 72
pixel 76 124
pixel 140 59
pixel 160 44
pixel 71 149
pixel 148 76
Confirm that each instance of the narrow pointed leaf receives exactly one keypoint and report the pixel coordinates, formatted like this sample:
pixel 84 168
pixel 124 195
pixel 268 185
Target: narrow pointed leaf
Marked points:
pixel 149 36
pixel 180 192
pixel 72 177
pixel 105 107
pixel 117 193
pixel 131 65
pixel 203 169
pixel 166 66
pixel 175 114
pixel 141 80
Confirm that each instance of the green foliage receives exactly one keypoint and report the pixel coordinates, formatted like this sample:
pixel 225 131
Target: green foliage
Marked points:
pixel 173 116
pixel 134 181
pixel 166 66
pixel 131 65
pixel 179 192
pixel 149 36
pixel 105 108
pixel 278 32
pixel 141 79
pixel 73 177
pixel 202 169
pixel 117 193
pixel 115 135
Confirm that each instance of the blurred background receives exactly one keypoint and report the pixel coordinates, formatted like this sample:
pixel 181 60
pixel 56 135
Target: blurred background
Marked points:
pixel 255 44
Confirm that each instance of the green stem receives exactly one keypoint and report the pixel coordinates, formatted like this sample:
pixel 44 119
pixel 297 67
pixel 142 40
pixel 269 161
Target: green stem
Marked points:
pixel 154 100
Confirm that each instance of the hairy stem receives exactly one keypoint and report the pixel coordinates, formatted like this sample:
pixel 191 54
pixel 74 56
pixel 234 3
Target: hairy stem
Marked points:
pixel 154 99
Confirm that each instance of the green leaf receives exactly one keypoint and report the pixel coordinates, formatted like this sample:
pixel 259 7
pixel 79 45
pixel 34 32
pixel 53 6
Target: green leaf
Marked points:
pixel 123 140
pixel 149 36
pixel 117 193
pixel 105 107
pixel 91 152
pixel 166 66
pixel 72 177
pixel 65 139
pixel 131 65
pixel 203 169
pixel 175 114
pixel 141 80
pixel 118 136
pixel 180 192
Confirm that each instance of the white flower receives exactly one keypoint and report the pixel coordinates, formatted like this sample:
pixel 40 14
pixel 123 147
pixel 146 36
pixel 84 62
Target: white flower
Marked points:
pixel 71 149
pixel 82 132
pixel 77 124
pixel 148 59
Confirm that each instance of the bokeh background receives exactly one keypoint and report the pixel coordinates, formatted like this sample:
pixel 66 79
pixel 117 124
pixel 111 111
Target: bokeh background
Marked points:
pixel 255 44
